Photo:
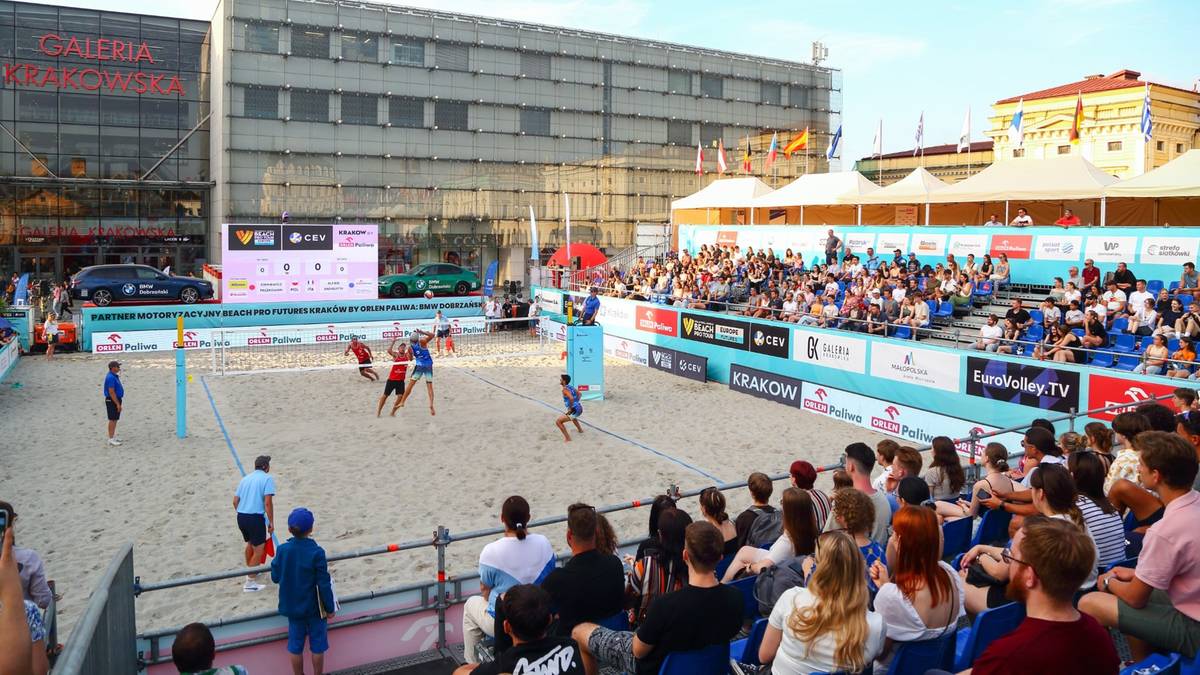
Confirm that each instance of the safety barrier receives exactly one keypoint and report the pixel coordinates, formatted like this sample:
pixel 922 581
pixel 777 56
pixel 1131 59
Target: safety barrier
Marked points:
pixel 9 354
pixel 103 640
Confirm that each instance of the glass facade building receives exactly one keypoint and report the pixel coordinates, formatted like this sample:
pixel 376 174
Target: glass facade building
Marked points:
pixel 103 154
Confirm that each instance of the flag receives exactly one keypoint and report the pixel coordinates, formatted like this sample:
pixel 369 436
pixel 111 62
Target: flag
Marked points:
pixel 771 151
pixel 964 136
pixel 879 139
pixel 1016 129
pixel 920 134
pixel 747 165
pixel 1147 122
pixel 533 235
pixel 722 164
pixel 798 143
pixel 1077 120
pixel 567 217
pixel 489 279
pixel 699 159
pixel 833 143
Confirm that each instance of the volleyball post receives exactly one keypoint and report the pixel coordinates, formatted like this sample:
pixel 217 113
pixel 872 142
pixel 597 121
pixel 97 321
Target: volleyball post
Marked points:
pixel 180 381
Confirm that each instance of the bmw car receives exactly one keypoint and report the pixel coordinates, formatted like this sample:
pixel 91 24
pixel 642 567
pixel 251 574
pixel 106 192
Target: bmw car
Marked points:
pixel 441 278
pixel 103 285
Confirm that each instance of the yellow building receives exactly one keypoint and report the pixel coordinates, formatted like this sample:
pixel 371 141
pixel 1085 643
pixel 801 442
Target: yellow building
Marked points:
pixel 943 161
pixel 1110 136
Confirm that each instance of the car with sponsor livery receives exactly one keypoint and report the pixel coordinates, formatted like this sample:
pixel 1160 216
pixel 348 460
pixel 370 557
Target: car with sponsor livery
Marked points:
pixel 106 284
pixel 440 278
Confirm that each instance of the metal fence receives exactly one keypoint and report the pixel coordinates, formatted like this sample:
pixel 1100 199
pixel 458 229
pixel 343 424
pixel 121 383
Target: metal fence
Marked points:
pixel 104 639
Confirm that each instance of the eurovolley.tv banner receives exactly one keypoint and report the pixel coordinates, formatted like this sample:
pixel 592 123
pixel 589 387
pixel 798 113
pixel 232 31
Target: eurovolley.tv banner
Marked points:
pixel 286 263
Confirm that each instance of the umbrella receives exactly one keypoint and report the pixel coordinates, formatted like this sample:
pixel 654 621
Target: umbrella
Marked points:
pixel 589 256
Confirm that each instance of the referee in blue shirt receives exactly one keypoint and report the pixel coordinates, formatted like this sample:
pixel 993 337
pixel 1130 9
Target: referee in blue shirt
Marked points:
pixel 591 307
pixel 254 502
pixel 114 394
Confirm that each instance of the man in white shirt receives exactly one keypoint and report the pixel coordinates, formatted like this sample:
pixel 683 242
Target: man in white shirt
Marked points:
pixel 1114 298
pixel 990 334
pixel 1022 219
pixel 993 221
pixel 1098 307
pixel 1074 277
pixel 1138 298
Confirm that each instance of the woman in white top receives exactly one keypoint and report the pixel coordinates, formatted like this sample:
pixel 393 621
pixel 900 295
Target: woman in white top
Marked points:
pixel 993 483
pixel 1144 319
pixel 799 537
pixel 945 476
pixel 825 627
pixel 50 334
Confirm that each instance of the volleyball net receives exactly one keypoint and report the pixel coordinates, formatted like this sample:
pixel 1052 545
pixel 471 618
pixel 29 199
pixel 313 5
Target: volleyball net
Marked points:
pixel 238 351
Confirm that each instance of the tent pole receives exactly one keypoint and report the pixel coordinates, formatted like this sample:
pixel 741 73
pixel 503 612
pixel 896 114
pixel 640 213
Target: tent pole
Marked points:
pixel 860 214
pixel 1103 210
pixel 1006 221
pixel 751 215
pixel 801 214
pixel 1154 212
pixel 926 214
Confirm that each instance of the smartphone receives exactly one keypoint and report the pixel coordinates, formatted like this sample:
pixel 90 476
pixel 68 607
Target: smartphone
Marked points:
pixel 983 494
pixel 5 519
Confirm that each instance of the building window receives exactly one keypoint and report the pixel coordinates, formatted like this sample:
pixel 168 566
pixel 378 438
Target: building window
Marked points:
pixel 535 65
pixel 1160 146
pixel 36 106
pixel 359 47
pixel 1018 152
pixel 310 106
pixel 359 109
pixel 1064 149
pixel 406 112
pixel 712 86
pixel 1179 148
pixel 261 102
pixel 710 134
pixel 262 38
pixel 535 122
pixel 1114 146
pixel 797 97
pixel 771 93
pixel 310 42
pixel 679 133
pixel 450 115
pixel 452 57
pixel 679 82
pixel 408 51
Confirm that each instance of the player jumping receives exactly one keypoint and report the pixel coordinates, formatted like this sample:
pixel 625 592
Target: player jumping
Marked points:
pixel 574 407
pixel 363 353
pixel 418 342
pixel 395 381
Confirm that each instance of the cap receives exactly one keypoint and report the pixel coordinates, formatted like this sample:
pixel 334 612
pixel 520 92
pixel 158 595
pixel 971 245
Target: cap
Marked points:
pixel 262 462
pixel 300 519
pixel 803 472
pixel 113 364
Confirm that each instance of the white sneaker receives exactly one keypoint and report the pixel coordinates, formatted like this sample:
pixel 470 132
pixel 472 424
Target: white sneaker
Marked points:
pixel 252 587
pixel 113 441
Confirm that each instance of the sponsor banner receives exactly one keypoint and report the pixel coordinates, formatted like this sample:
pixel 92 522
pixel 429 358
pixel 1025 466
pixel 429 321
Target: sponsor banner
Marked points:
pixel 662 359
pixel 657 320
pixel 548 301
pixel 1015 246
pixel 1032 386
pixel 888 242
pixel 770 340
pixel 915 365
pixel 962 245
pixel 835 403
pixel 1105 391
pixel 831 350
pixel 727 237
pixel 715 330
pixel 628 350
pixel 556 330
pixel 771 386
pixel 928 244
pixel 691 366
pixel 1104 249
pixel 1057 247
pixel 1169 250
pixel 859 242
pixel 9 354
pixel 285 263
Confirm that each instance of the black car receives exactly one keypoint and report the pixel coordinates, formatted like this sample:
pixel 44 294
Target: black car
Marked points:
pixel 106 284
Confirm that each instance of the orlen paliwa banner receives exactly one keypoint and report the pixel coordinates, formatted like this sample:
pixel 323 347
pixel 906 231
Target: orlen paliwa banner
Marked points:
pixel 287 263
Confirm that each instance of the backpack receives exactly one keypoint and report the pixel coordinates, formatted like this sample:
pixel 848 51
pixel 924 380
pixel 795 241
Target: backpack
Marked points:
pixel 766 528
pixel 774 580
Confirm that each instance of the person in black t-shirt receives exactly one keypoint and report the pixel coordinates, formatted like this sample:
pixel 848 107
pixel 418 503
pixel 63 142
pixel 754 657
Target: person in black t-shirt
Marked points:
pixel 1124 278
pixel 591 586
pixel 760 492
pixel 527 616
pixel 1019 315
pixel 702 613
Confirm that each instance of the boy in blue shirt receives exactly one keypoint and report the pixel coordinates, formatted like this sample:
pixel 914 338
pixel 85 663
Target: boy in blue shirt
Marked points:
pixel 305 592
pixel 574 407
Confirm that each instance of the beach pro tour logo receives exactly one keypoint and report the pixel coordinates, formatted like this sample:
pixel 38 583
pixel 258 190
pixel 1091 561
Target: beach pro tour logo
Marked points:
pixel 715 331
pixel 113 344
pixel 662 359
pixel 658 321
pixel 1032 386
pixel 1105 391
pixel 255 238
pixel 889 424
pixel 770 386
pixel 1015 246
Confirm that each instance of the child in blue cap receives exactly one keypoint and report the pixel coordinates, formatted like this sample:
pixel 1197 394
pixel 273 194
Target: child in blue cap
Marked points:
pixel 305 593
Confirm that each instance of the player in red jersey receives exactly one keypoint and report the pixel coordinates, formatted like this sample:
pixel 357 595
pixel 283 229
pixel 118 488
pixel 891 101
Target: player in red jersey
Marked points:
pixel 395 381
pixel 363 353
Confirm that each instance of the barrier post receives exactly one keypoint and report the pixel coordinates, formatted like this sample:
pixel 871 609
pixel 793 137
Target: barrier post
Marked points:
pixel 973 468
pixel 180 381
pixel 441 539
pixel 1071 420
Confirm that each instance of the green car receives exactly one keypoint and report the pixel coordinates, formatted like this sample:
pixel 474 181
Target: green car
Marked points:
pixel 442 278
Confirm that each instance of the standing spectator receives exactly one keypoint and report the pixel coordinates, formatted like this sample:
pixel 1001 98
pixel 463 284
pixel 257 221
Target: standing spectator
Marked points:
pixel 526 617
pixel 305 592
pixel 990 334
pixel 50 334
pixel 993 221
pixel 1047 562
pixel 945 475
pixel 254 502
pixel 491 312
pixel 703 613
pixel 31 568
pixel 591 585
pixel 441 331
pixel 516 558
pixel 1068 219
pixel 193 651
pixel 1157 604
pixel 833 246
pixel 114 398
pixel 1189 281
pixel 804 476
pixel 1022 218
pixel 860 461
pixel 760 487
pixel 712 508
pixel 799 537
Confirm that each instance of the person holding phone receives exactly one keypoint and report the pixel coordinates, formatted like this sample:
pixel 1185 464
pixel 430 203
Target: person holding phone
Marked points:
pixel 114 396
pixel 22 633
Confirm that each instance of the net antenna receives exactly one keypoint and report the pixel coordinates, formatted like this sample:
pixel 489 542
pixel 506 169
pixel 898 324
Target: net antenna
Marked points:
pixel 819 52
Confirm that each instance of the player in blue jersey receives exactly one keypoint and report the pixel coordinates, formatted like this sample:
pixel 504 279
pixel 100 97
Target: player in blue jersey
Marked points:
pixel 574 407
pixel 418 343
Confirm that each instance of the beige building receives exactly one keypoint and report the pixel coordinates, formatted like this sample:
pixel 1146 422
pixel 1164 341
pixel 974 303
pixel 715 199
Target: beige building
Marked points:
pixel 1110 136
pixel 943 161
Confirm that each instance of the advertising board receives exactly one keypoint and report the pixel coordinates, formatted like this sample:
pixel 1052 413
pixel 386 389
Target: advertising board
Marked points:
pixel 286 263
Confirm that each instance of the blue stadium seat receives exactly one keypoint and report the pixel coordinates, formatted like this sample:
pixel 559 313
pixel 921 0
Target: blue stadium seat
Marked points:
pixel 618 621
pixel 1186 300
pixel 1078 332
pixel 923 655
pixel 993 527
pixel 723 564
pixel 944 310
pixel 1173 345
pixel 902 333
pixel 1035 333
pixel 1174 286
pixel 1120 325
pixel 1100 359
pixel 746 649
pixel 745 586
pixel 1128 362
pixel 1153 286
pixel 1160 664
pixel 1146 342
pixel 712 660
pixel 983 291
pixel 1038 317
pixel 1124 343
pixel 956 536
pixel 989 625
pixel 1130 563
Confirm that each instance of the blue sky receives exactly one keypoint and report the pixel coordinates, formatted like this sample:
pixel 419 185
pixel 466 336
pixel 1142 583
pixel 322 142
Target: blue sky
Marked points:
pixel 897 58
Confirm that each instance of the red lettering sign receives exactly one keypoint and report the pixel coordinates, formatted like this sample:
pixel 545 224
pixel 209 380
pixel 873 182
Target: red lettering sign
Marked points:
pixel 93 79
pixel 1016 246
pixel 660 321
pixel 727 238
pixel 1105 391
pixel 103 49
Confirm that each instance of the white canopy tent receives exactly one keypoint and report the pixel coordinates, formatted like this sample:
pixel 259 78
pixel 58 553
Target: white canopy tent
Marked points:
pixel 725 193
pixel 914 188
pixel 1169 194
pixel 842 188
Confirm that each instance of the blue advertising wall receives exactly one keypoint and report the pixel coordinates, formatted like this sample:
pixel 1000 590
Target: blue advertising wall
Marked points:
pixel 163 317
pixel 1036 254
pixel 20 318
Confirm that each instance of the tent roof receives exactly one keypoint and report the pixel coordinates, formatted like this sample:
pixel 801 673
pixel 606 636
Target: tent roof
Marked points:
pixel 724 193
pixel 914 188
pixel 1052 178
pixel 1179 177
pixel 820 189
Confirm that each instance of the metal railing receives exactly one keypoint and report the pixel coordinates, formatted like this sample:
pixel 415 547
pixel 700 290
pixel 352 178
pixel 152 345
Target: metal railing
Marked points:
pixel 103 640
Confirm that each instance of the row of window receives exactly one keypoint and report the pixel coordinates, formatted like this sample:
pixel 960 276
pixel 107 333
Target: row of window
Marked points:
pixel 1112 146
pixel 40 106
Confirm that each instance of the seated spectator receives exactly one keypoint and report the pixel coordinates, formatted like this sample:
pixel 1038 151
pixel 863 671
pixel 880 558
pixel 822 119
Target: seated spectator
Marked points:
pixel 1188 324
pixel 1090 274
pixel 1058 292
pixel 590 586
pixel 1020 316
pixel 1157 604
pixel 945 475
pixel 1189 281
pixel 1099 439
pixel 34 586
pixel 1124 279
pixel 1154 359
pixel 1022 218
pixel 702 613
pixel 1115 300
pixel 516 558
pixel 1047 562
pixel 1071 294
pixel 1100 517
pixel 876 323
pixel 660 504
pixel 1068 219
pixel 1001 273
pixel 885 454
pixel 1095 336
pixel 826 626
pixel 661 569
pixel 994 482
pixel 760 487
pixel 855 515
pixel 907 464
pixel 990 334
pixel 1169 318
pixel 1126 426
pixel 1070 442
pixel 193 651
pixel 859 462
pixel 1139 295
pixel 798 538
pixel 1144 319
pixel 1051 314
pixel 804 476
pixel 1011 342
pixel 1060 345
pixel 712 508
pixel 526 620
pixel 921 597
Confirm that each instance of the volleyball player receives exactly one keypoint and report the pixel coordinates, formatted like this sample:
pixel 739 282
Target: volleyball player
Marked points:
pixel 574 407
pixel 418 343
pixel 363 353
pixel 441 327
pixel 396 377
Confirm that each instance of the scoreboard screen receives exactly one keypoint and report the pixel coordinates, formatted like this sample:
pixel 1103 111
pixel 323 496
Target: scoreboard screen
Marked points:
pixel 284 263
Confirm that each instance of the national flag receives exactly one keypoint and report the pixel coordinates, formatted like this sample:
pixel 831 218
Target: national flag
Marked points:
pixel 533 235
pixel 772 151
pixel 1016 128
pixel 920 134
pixel 964 136
pixel 833 143
pixel 747 165
pixel 798 143
pixel 567 216
pixel 879 139
pixel 722 164
pixel 699 159
pixel 1077 120
pixel 1147 122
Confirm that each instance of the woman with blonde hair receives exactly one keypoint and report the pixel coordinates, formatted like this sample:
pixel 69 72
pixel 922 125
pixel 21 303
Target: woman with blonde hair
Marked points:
pixel 827 626
pixel 50 334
